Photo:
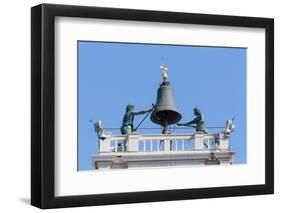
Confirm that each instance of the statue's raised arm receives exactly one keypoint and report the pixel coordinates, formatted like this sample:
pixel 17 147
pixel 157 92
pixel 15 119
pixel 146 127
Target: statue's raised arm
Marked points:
pixel 142 112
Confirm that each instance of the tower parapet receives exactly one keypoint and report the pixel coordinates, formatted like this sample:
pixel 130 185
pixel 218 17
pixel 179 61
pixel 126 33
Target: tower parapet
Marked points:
pixel 157 150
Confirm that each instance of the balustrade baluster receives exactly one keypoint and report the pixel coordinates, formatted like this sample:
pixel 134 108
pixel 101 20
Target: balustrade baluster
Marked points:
pixel 115 146
pixel 157 145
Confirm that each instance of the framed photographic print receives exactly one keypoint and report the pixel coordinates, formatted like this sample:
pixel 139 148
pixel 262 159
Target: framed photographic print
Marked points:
pixel 139 106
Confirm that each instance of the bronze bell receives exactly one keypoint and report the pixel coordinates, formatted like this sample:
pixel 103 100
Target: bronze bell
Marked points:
pixel 165 111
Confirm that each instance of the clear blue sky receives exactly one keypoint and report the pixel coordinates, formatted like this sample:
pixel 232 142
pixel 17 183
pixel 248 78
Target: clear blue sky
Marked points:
pixel 112 75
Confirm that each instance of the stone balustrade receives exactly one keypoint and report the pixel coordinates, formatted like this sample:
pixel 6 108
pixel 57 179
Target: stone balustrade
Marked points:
pixel 139 143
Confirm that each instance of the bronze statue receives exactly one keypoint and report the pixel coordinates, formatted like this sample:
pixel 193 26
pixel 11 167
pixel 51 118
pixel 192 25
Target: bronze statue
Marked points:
pixel 197 122
pixel 128 119
pixel 128 122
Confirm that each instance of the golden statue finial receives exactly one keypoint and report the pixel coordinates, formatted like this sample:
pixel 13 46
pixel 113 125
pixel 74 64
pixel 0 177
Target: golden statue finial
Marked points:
pixel 164 69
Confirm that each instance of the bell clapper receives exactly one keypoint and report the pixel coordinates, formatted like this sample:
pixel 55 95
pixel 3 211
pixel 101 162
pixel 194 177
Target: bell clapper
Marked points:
pixel 166 130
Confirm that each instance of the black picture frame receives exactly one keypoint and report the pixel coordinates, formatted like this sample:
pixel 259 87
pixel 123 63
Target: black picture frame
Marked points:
pixel 43 110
